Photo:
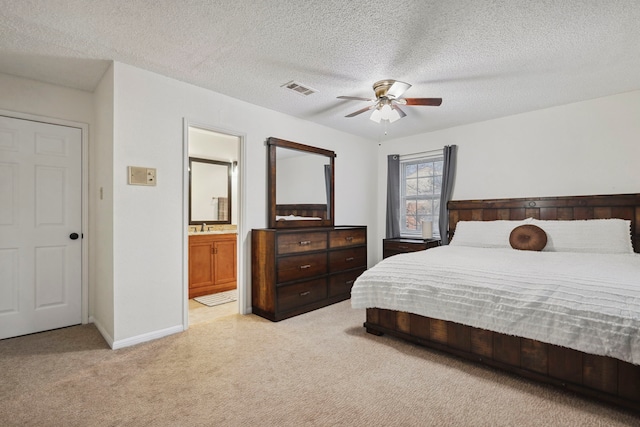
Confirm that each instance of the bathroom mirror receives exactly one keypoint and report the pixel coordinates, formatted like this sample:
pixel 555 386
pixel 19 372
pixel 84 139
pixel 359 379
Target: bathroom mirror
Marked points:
pixel 209 191
pixel 300 185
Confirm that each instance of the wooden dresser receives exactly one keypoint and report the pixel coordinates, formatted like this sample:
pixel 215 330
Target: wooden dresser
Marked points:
pixel 298 270
pixel 212 263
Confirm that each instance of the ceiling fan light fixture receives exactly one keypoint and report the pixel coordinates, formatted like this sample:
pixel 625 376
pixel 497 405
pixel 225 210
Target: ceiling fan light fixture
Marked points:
pixel 385 113
pixel 376 116
pixel 394 116
pixel 385 105
pixel 389 113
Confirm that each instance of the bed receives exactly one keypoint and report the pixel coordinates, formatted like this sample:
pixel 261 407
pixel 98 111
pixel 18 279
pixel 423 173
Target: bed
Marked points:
pixel 600 368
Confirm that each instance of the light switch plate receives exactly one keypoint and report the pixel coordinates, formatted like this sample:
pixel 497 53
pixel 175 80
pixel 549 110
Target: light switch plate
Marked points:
pixel 142 176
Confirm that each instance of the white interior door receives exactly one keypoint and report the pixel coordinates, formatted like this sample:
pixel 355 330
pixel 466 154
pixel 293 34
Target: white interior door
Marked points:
pixel 40 210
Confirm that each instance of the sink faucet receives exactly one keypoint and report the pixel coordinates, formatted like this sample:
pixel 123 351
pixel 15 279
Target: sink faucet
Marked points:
pixel 204 226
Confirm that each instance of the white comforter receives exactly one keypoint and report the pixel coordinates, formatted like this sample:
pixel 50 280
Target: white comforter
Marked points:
pixel 588 302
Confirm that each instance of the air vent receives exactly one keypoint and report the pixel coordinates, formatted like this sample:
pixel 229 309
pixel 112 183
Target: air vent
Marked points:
pixel 299 88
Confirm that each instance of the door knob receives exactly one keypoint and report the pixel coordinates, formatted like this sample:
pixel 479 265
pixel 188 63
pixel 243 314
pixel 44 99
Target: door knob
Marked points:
pixel 73 236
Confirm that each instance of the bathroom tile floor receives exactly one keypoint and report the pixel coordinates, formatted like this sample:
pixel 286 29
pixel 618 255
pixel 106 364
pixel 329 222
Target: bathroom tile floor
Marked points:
pixel 200 313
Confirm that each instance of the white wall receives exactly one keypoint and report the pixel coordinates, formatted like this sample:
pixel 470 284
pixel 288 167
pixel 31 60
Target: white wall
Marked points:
pixel 43 99
pixel 584 148
pixel 101 291
pixel 148 222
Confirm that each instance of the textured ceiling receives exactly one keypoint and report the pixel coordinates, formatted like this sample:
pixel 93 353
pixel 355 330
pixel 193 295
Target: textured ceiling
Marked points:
pixel 486 59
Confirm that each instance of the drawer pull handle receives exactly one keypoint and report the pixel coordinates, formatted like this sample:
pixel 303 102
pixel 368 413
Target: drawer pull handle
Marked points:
pixel 305 242
pixel 348 238
pixel 302 267
pixel 349 259
pixel 305 293
pixel 403 247
pixel 348 282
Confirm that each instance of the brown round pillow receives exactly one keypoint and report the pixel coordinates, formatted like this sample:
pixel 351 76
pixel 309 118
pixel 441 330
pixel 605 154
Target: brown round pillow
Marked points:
pixel 528 237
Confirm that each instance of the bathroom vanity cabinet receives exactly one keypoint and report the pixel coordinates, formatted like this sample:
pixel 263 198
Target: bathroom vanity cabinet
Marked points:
pixel 212 263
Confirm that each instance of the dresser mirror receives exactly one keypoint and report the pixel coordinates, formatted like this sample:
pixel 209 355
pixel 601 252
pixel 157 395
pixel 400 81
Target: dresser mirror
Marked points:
pixel 209 191
pixel 300 185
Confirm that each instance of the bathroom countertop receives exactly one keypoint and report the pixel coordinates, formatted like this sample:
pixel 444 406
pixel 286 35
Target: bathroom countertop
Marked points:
pixel 198 233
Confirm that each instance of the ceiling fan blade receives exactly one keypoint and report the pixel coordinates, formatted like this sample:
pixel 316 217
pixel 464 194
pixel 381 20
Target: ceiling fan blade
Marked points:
pixel 355 98
pixel 395 107
pixel 423 101
pixel 397 89
pixel 355 113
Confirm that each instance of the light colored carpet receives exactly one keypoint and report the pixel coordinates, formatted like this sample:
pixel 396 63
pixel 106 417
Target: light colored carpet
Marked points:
pixel 219 298
pixel 317 369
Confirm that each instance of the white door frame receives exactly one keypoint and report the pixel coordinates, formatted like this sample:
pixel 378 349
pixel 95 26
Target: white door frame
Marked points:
pixel 243 293
pixel 84 129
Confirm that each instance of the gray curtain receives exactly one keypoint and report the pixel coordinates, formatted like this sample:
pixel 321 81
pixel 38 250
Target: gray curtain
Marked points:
pixel 327 186
pixel 448 178
pixel 393 196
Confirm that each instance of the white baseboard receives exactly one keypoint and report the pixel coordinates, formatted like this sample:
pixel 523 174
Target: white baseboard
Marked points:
pixel 146 337
pixel 137 339
pixel 108 338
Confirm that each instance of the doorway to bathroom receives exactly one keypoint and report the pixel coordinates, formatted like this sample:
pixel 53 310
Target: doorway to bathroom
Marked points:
pixel 213 217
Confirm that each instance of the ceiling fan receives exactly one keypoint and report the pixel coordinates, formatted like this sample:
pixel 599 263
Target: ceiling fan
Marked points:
pixel 385 104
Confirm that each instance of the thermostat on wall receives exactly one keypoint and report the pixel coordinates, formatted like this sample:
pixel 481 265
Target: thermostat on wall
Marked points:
pixel 142 176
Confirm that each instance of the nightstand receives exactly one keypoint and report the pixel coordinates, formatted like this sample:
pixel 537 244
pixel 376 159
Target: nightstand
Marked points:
pixel 400 245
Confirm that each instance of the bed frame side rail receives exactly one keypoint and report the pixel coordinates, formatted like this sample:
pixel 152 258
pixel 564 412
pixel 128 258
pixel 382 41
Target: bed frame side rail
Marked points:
pixel 604 378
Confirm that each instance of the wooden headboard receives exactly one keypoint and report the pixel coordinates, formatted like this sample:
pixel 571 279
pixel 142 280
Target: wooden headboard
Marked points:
pixel 308 210
pixel 624 206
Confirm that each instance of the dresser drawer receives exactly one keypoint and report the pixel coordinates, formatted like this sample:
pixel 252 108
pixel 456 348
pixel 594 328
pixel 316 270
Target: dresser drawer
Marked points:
pixel 301 266
pixel 301 242
pixel 346 259
pixel 291 272
pixel 348 237
pixel 341 283
pixel 300 294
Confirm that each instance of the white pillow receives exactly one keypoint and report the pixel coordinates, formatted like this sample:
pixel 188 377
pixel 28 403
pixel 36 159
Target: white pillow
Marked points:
pixel 485 234
pixel 610 236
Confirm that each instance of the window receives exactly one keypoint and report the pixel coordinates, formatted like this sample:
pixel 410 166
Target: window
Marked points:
pixel 420 184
